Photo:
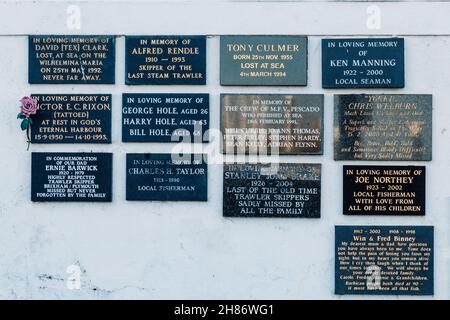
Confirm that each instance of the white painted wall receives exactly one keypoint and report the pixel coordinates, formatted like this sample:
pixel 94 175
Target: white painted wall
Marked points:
pixel 188 250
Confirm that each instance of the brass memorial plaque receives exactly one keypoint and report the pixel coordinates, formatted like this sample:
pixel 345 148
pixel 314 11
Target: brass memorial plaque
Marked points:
pixel 272 124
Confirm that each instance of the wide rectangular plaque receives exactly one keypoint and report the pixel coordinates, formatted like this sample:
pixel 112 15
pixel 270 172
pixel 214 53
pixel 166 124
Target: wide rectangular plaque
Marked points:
pixel 272 123
pixel 71 59
pixel 165 117
pixel 71 177
pixel 363 63
pixel 264 60
pixel 167 177
pixel 381 127
pixel 384 190
pixel 384 260
pixel 271 190
pixel 165 60
pixel 72 118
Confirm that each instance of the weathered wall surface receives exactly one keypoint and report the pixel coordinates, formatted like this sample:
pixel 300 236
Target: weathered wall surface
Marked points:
pixel 188 250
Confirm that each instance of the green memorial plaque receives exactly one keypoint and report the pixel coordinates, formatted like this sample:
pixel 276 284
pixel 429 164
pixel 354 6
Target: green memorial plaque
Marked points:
pixel 263 60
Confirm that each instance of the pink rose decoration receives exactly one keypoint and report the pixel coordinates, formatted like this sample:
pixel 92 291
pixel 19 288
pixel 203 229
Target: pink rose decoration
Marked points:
pixel 29 106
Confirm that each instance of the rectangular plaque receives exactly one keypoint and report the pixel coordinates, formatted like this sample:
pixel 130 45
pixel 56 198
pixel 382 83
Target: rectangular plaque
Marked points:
pixel 165 60
pixel 72 118
pixel 384 260
pixel 271 190
pixel 71 177
pixel 167 177
pixel 384 190
pixel 272 123
pixel 71 59
pixel 165 117
pixel 363 63
pixel 264 60
pixel 383 127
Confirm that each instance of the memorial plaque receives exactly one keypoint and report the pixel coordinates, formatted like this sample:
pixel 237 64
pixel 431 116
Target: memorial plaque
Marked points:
pixel 272 123
pixel 382 127
pixel 66 118
pixel 71 177
pixel 384 190
pixel 384 260
pixel 363 63
pixel 167 177
pixel 271 190
pixel 71 60
pixel 165 117
pixel 263 60
pixel 165 60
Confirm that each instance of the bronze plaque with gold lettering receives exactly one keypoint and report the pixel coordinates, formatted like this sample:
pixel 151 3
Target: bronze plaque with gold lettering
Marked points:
pixel 384 127
pixel 272 123
pixel 384 260
pixel 384 190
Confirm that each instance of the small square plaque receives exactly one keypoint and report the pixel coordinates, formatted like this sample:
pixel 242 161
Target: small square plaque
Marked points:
pixel 363 63
pixel 383 127
pixel 278 190
pixel 263 60
pixel 71 177
pixel 167 177
pixel 165 60
pixel 71 60
pixel 165 117
pixel 384 260
pixel 72 118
